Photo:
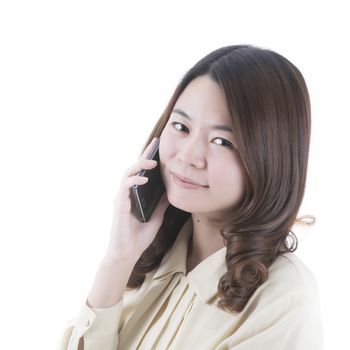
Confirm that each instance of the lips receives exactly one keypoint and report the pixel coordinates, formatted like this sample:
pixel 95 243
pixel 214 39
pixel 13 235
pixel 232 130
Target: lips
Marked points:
pixel 186 179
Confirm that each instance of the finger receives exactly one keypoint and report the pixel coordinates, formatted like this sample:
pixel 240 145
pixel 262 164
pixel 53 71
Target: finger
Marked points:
pixel 140 165
pixel 135 180
pixel 126 189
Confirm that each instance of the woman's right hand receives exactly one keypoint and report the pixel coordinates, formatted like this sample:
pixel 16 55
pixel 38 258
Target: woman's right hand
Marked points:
pixel 129 237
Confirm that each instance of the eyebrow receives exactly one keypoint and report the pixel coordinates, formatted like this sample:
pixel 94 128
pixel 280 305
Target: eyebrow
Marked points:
pixel 217 127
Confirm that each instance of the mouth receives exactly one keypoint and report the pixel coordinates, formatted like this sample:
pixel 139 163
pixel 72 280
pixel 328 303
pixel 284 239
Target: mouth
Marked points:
pixel 185 182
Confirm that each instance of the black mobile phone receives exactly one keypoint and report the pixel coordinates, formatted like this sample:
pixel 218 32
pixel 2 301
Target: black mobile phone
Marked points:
pixel 144 198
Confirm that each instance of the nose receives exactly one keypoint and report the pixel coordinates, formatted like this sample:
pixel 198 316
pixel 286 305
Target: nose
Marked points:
pixel 192 152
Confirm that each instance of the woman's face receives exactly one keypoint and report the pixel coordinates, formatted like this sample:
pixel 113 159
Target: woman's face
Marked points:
pixel 193 148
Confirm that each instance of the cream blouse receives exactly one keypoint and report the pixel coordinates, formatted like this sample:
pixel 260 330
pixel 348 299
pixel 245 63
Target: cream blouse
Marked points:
pixel 172 310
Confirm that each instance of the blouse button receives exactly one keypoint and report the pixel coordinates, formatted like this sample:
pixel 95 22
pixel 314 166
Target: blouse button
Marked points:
pixel 87 322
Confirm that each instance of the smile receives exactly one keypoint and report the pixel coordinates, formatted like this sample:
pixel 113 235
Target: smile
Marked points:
pixel 184 184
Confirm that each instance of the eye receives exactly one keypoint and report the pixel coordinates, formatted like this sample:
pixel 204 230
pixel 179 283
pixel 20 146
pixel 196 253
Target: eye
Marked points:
pixel 223 141
pixel 176 123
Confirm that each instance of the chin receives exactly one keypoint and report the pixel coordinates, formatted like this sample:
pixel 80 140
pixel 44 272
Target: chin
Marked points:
pixel 183 203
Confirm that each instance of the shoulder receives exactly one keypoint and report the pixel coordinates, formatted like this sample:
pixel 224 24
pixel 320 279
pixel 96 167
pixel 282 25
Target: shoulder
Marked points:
pixel 284 312
pixel 289 273
pixel 290 282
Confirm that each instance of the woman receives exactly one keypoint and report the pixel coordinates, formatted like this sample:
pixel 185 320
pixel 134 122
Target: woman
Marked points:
pixel 214 267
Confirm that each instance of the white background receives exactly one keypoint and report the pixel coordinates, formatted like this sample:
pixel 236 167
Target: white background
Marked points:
pixel 81 85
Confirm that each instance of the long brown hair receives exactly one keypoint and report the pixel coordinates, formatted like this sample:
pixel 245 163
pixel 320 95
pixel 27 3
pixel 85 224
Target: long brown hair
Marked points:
pixel 270 108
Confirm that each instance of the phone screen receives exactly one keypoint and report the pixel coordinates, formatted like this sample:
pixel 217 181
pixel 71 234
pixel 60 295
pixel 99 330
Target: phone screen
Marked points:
pixel 144 198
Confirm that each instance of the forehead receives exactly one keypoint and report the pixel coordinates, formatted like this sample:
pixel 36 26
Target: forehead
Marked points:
pixel 204 99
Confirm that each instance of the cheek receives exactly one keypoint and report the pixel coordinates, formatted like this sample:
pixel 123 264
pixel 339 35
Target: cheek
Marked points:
pixel 166 149
pixel 163 146
pixel 167 144
pixel 228 174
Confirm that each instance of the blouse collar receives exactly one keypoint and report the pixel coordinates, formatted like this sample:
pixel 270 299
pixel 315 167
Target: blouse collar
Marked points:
pixel 204 277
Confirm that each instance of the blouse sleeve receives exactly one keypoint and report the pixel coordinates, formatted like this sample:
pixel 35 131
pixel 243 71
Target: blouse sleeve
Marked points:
pixel 98 327
pixel 292 322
